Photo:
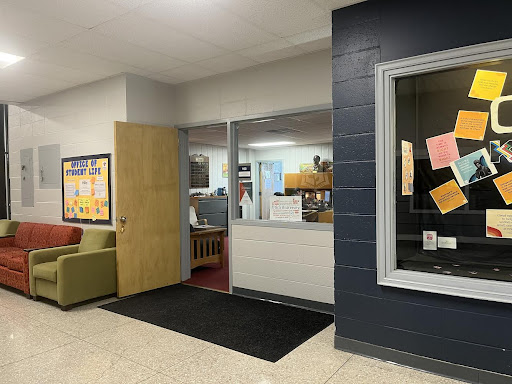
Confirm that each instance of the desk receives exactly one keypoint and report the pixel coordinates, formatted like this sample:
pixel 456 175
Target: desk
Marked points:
pixel 207 246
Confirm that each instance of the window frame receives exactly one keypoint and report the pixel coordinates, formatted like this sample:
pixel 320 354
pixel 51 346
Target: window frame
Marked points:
pixel 386 75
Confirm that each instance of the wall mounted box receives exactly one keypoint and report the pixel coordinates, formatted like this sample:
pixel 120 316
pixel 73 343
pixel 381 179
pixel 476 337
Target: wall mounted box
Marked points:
pixel 27 177
pixel 49 166
pixel 418 98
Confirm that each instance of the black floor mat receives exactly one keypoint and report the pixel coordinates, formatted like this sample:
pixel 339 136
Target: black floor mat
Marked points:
pixel 257 328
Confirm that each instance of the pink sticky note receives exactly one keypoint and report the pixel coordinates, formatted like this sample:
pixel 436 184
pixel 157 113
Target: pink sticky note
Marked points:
pixel 101 212
pixel 442 150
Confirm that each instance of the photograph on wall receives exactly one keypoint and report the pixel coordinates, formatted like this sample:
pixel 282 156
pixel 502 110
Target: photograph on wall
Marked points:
pixel 473 167
pixel 442 150
pixel 448 197
pixel 498 223
pixel 306 167
pixel 493 151
pixel 504 185
pixel 487 85
pixel 86 189
pixel 471 125
pixel 224 170
pixel 407 169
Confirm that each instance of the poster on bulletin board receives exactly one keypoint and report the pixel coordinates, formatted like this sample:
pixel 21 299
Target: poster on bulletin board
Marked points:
pixel 86 193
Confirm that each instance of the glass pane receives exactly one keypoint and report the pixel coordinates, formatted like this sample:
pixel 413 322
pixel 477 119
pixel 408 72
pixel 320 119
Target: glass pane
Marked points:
pixel 457 242
pixel 285 168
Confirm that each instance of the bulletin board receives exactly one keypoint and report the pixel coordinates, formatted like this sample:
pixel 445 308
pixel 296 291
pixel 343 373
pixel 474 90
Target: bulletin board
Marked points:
pixel 86 194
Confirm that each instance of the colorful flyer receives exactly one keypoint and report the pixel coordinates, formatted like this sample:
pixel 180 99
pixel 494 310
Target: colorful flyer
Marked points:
pixel 224 170
pixel 487 85
pixel 504 185
pixel 493 152
pixel 473 167
pixel 471 125
pixel 407 169
pixel 498 223
pixel 442 150
pixel 448 197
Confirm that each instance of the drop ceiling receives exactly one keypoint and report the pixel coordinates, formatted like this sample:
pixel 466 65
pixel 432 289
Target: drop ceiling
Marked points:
pixel 308 128
pixel 72 42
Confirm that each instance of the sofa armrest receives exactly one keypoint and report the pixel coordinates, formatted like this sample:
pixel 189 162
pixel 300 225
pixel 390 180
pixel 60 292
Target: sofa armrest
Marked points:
pixel 44 256
pixel 6 242
pixel 41 248
pixel 86 275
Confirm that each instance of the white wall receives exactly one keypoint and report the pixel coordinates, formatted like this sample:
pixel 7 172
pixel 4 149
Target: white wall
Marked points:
pixel 288 262
pixel 80 120
pixel 149 101
pixel 286 84
pixel 293 156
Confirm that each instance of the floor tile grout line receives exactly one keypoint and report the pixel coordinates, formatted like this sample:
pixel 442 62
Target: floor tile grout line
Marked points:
pixel 342 365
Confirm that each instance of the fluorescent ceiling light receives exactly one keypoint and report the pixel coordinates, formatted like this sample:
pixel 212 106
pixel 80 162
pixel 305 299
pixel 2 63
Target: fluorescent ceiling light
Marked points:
pixel 7 59
pixel 261 121
pixel 273 144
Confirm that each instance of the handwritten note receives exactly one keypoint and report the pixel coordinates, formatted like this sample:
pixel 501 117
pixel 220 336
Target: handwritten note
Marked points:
pixel 448 197
pixel 442 150
pixel 487 85
pixel 471 125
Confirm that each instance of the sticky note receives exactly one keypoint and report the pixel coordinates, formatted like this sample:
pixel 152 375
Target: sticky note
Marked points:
pixel 75 216
pixel 97 210
pixel 93 179
pixel 448 197
pixel 86 209
pixel 77 192
pixel 81 209
pixel 75 203
pixel 106 203
pixel 92 192
pixel 471 125
pixel 487 85
pixel 67 209
pixel 102 204
pixel 504 185
pixel 442 150
pixel 72 209
pixel 101 212
pixel 96 203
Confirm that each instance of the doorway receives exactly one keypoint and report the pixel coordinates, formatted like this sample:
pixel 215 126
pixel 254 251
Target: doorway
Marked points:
pixel 208 207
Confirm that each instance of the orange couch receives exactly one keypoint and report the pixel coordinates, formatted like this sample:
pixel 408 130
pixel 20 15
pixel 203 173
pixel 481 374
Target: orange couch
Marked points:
pixel 14 250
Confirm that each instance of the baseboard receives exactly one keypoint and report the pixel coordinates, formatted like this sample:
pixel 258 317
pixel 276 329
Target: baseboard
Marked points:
pixel 438 367
pixel 303 303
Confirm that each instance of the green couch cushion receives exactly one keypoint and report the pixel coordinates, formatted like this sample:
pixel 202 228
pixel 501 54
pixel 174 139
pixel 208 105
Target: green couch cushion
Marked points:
pixel 96 239
pixel 46 271
pixel 8 227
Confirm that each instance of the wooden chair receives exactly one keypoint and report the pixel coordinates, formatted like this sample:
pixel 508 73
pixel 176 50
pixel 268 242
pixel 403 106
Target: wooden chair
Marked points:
pixel 207 246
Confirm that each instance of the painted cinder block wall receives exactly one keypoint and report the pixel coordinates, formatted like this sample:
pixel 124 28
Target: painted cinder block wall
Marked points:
pixel 463 331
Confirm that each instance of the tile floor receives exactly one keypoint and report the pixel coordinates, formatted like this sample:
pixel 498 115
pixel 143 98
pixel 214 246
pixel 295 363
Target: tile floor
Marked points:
pixel 41 344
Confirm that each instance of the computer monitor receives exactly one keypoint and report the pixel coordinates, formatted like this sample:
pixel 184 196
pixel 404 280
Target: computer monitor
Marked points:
pixel 327 197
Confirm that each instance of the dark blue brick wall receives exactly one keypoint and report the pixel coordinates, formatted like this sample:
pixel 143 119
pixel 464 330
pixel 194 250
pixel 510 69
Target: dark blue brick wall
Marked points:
pixel 462 331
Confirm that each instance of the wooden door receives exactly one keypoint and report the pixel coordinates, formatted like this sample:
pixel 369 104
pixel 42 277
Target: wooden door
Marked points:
pixel 147 195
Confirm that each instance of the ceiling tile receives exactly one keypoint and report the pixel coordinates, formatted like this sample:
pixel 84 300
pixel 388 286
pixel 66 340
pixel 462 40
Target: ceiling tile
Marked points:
pixel 159 37
pixel 227 63
pixel 17 45
pixel 32 25
pixel 275 50
pixel 204 20
pixel 188 72
pixel 130 4
pixel 283 17
pixel 314 40
pixel 51 71
pixel 88 63
pixel 109 48
pixel 85 13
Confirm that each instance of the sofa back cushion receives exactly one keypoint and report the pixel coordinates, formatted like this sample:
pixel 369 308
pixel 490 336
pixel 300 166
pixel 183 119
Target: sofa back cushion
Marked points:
pixel 95 239
pixel 36 235
pixel 8 227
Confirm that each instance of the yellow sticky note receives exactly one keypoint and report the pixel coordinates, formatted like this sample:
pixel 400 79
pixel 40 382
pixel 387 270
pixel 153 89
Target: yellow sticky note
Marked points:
pixel 448 197
pixel 504 185
pixel 471 125
pixel 487 85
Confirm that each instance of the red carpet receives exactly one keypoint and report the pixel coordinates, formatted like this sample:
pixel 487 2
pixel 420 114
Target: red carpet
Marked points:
pixel 212 275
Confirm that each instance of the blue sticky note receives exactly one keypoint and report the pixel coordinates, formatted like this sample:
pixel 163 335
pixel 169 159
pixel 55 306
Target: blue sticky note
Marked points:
pixel 97 210
pixel 67 209
pixel 77 192
pixel 75 216
pixel 81 209
pixel 72 209
pixel 106 203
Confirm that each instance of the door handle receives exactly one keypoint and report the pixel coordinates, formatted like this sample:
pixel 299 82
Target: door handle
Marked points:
pixel 122 219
